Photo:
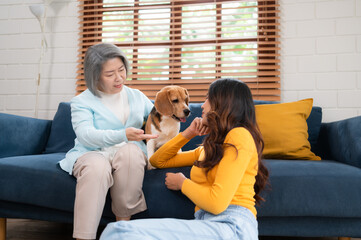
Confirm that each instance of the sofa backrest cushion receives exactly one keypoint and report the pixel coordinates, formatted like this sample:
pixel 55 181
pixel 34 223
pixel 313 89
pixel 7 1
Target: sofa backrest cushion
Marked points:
pixel 22 135
pixel 313 123
pixel 341 141
pixel 285 131
pixel 62 135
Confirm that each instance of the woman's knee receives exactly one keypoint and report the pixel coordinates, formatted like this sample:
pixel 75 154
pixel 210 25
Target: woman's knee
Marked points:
pixel 95 166
pixel 131 148
pixel 121 230
pixel 114 230
pixel 129 155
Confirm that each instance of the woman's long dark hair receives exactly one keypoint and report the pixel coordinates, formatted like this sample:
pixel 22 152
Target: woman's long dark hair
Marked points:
pixel 231 106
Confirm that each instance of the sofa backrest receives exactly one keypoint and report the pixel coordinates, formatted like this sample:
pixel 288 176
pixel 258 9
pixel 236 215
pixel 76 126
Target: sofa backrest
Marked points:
pixel 22 135
pixel 62 136
pixel 313 123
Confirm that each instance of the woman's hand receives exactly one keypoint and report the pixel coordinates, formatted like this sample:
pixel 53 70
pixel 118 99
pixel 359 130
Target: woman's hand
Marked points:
pixel 174 181
pixel 135 134
pixel 197 128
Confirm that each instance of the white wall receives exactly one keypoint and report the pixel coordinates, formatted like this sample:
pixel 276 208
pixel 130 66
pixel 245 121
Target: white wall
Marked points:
pixel 20 44
pixel 320 56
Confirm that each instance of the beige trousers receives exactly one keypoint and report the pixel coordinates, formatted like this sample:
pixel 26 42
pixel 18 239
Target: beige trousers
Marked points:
pixel 95 175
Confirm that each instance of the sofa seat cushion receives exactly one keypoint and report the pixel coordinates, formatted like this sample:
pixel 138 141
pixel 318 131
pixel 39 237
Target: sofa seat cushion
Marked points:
pixel 312 188
pixel 37 180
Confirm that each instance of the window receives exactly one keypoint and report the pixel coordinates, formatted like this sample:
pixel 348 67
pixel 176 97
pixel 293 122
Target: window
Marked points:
pixel 188 43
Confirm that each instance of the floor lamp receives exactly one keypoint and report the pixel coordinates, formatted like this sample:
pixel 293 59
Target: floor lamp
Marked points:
pixel 40 11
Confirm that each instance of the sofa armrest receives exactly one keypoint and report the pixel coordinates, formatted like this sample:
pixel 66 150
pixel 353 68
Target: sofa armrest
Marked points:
pixel 341 141
pixel 22 135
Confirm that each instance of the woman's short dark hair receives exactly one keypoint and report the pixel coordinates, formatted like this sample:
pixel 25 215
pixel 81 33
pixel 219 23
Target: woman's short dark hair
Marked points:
pixel 95 57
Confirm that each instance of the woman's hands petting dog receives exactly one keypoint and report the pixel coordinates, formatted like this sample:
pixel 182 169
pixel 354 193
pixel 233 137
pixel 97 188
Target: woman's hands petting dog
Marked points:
pixel 136 134
pixel 174 181
pixel 196 128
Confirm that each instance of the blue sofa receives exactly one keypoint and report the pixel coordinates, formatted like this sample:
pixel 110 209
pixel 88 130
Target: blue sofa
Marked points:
pixel 305 198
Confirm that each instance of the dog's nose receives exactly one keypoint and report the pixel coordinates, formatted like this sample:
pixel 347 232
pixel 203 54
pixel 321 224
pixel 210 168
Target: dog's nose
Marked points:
pixel 186 112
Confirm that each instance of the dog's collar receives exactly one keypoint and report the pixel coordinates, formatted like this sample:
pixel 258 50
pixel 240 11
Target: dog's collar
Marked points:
pixel 176 118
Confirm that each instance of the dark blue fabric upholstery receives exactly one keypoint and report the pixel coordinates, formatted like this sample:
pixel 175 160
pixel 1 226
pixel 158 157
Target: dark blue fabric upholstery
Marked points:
pixel 55 189
pixel 325 182
pixel 341 141
pixel 314 125
pixel 163 202
pixel 309 226
pixel 31 211
pixel 312 188
pixel 22 135
pixel 62 135
pixel 196 111
pixel 51 187
pixel 306 198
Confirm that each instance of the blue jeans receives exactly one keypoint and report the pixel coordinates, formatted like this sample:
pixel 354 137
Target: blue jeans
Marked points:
pixel 234 223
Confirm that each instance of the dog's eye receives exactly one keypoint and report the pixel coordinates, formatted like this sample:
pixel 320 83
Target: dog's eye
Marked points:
pixel 175 100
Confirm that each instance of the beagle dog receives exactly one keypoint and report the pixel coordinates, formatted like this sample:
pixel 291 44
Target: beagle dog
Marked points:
pixel 171 106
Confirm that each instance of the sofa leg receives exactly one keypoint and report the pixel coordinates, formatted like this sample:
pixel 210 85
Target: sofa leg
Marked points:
pixel 344 238
pixel 2 228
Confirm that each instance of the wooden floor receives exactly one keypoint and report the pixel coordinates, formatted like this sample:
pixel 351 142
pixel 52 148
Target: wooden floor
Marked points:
pixel 24 229
pixel 21 229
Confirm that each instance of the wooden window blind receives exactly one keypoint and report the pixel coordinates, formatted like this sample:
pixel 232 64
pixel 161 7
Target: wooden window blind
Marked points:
pixel 188 43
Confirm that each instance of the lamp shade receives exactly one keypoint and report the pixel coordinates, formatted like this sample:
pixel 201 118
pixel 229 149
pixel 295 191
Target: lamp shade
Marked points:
pixel 37 10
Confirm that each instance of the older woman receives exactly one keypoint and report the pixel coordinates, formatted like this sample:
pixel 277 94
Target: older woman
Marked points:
pixel 109 152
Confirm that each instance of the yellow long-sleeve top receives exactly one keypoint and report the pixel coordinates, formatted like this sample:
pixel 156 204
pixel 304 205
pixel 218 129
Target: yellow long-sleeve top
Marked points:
pixel 231 181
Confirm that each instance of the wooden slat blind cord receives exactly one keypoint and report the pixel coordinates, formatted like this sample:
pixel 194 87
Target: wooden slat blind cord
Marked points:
pixel 189 43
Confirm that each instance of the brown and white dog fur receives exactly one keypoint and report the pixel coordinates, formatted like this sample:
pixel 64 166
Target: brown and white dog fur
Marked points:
pixel 171 106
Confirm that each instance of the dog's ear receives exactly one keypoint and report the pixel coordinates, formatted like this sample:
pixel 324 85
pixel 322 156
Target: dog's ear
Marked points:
pixel 163 104
pixel 187 96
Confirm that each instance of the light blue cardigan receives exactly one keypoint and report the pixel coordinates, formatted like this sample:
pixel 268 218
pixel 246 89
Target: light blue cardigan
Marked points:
pixel 96 126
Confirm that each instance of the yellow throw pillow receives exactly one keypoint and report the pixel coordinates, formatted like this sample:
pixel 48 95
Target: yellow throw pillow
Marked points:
pixel 284 130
